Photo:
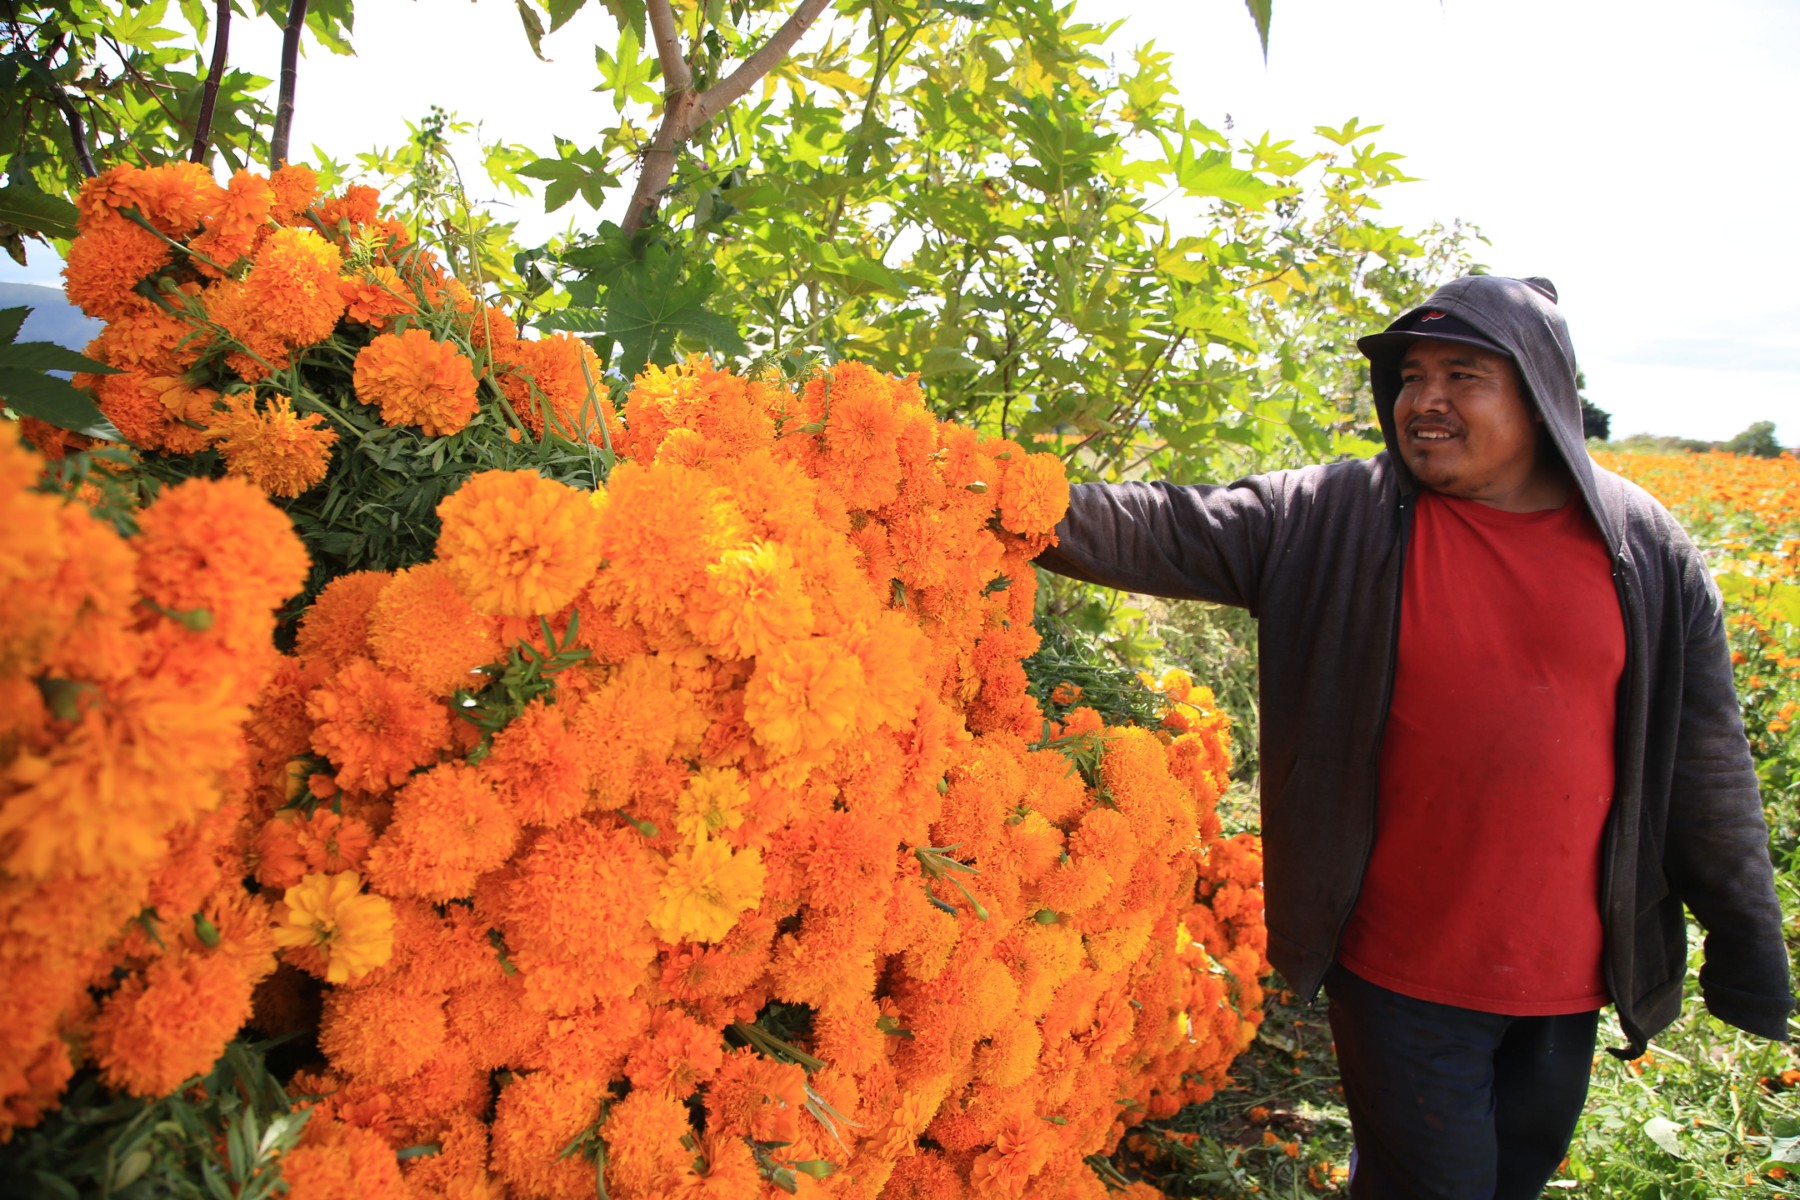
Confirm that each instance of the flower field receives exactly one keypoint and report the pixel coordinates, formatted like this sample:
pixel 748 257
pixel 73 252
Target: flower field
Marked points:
pixel 579 802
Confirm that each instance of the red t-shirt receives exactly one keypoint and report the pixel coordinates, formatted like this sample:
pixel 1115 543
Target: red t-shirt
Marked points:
pixel 1483 890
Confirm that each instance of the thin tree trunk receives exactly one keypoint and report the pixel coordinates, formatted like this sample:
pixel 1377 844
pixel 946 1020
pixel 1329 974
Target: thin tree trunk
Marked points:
pixel 290 74
pixel 685 111
pixel 214 75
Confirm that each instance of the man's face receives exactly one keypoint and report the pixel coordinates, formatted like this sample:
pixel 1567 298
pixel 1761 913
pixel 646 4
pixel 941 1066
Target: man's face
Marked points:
pixel 1467 429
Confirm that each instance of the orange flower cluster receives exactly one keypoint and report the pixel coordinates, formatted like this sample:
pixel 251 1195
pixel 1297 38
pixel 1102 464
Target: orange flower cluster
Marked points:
pixel 780 783
pixel 127 670
pixel 213 292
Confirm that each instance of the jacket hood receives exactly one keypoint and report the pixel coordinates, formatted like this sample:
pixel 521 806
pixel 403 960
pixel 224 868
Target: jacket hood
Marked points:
pixel 1521 317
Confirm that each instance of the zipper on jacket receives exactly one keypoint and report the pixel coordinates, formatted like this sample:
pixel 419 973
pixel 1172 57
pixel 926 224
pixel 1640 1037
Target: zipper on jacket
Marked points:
pixel 1609 840
pixel 1387 701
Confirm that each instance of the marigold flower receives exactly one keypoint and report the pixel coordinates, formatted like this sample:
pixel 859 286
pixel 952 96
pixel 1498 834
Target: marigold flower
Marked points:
pixel 706 888
pixel 537 767
pixel 422 626
pixel 417 380
pixel 518 545
pixel 804 696
pixel 281 452
pixel 293 189
pixel 356 931
pixel 291 287
pixel 645 1154
pixel 712 803
pixel 374 727
pixel 376 296
pixel 334 630
pixel 339 1161
pixel 448 828
pixel 384 1032
pixel 170 1023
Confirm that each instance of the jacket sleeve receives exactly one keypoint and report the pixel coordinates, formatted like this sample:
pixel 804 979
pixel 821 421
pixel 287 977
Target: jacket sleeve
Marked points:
pixel 1186 542
pixel 1717 849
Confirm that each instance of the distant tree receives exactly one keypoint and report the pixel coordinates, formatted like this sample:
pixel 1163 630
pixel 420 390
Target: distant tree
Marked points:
pixel 1758 440
pixel 1596 422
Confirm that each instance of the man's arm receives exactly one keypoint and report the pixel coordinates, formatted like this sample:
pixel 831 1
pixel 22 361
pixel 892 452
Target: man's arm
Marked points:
pixel 1186 542
pixel 1717 849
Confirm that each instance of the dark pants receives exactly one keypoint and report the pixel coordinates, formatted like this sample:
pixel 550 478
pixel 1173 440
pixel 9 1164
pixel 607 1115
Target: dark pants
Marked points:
pixel 1452 1104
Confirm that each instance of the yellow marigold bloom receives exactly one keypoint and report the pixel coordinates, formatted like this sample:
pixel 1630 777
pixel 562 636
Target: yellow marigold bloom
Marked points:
pixel 518 545
pixel 804 696
pixel 711 803
pixel 292 287
pixel 280 451
pixel 706 888
pixel 355 930
pixel 1034 493
pixel 417 380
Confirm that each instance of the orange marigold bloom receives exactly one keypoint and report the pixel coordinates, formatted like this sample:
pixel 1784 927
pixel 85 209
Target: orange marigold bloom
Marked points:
pixel 292 287
pixel 339 1161
pixel 804 696
pixel 754 600
pixel 570 381
pixel 448 828
pixel 154 412
pixel 712 802
pixel 359 205
pixel 417 380
pixel 334 631
pixel 422 626
pixel 355 931
pixel 537 767
pixel 236 224
pixel 107 261
pixel 281 452
pixel 676 1056
pixel 384 1032
pixel 218 545
pixel 294 187
pixel 170 1023
pixel 706 888
pixel 756 1097
pixel 644 1136
pixel 292 846
pixel 376 296
pixel 518 545
pixel 374 727
pixel 257 349
pixel 535 1119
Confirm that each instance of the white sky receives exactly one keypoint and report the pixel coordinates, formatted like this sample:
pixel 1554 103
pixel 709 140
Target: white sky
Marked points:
pixel 1639 154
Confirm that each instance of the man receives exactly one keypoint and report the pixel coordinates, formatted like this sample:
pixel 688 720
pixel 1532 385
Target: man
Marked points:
pixel 1501 746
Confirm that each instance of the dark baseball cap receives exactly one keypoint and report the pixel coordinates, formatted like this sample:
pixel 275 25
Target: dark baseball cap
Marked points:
pixel 1430 323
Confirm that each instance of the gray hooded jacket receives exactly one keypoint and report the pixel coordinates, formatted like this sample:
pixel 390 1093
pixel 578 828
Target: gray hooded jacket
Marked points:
pixel 1316 555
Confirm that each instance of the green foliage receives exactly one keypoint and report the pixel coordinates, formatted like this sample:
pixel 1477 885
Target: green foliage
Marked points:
pixel 30 392
pixel 1758 440
pixel 224 1136
pixel 977 194
pixel 86 84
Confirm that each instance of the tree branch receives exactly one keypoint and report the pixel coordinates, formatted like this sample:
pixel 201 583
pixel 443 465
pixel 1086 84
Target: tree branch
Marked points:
pixel 676 76
pixel 685 111
pixel 720 95
pixel 215 73
pixel 290 75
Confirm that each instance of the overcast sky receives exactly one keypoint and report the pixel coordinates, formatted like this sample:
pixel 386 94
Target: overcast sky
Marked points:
pixel 1639 154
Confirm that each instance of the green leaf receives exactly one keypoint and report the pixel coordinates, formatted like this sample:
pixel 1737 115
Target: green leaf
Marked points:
pixel 630 16
pixel 534 28
pixel 48 356
pixel 1260 12
pixel 1663 1132
pixel 37 212
pixel 48 398
pixel 560 11
pixel 12 320
pixel 654 302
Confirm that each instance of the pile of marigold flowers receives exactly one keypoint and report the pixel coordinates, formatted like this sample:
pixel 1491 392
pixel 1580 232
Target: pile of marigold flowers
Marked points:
pixel 695 833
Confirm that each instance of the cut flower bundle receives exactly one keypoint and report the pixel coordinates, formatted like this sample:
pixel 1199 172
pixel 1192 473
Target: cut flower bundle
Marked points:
pixel 695 832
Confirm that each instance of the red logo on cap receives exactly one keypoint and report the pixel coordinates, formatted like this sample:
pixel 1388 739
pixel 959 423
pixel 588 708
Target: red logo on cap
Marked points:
pixel 1433 315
